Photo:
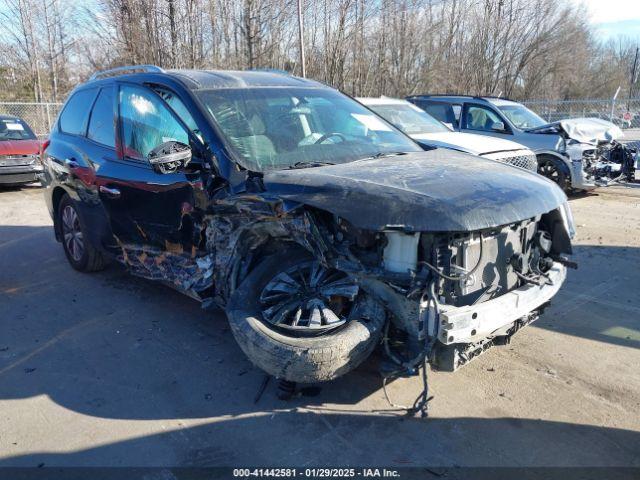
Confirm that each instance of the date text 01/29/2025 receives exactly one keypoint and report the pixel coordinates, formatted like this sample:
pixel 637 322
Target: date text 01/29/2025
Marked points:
pixel 315 473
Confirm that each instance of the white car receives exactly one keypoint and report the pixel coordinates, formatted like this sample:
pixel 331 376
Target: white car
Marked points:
pixel 429 132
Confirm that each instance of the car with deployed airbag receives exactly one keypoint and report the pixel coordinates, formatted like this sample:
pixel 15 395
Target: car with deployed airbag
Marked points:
pixel 578 153
pixel 319 228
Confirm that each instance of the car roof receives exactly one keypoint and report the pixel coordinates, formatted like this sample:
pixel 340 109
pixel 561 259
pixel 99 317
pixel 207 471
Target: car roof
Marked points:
pixel 205 79
pixel 217 79
pixel 382 101
pixel 454 98
pixel 501 102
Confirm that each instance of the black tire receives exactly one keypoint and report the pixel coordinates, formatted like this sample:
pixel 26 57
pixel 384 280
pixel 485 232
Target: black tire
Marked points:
pixel 286 355
pixel 552 169
pixel 87 258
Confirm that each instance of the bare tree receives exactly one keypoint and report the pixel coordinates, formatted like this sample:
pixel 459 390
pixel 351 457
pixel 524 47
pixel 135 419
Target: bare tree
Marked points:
pixel 520 48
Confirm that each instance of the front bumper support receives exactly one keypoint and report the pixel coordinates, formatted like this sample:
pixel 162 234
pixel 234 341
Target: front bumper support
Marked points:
pixel 472 323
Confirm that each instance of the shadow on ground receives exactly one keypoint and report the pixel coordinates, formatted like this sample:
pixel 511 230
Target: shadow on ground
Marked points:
pixel 352 440
pixel 600 299
pixel 113 346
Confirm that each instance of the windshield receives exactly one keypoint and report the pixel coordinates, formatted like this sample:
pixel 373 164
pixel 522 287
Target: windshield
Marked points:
pixel 409 118
pixel 275 128
pixel 15 129
pixel 521 116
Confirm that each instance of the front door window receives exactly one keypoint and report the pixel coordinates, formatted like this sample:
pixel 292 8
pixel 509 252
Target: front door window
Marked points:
pixel 481 118
pixel 146 123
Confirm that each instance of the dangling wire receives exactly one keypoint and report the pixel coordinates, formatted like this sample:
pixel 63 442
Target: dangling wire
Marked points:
pixel 421 403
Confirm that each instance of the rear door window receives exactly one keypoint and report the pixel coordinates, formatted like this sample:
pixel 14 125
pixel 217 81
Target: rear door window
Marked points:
pixel 73 119
pixel 444 112
pixel 101 126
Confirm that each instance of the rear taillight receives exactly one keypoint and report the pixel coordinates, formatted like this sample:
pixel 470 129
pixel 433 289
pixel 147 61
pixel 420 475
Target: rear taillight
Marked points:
pixel 44 146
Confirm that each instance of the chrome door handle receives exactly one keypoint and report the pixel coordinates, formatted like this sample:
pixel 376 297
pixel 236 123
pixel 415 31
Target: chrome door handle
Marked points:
pixel 110 191
pixel 71 163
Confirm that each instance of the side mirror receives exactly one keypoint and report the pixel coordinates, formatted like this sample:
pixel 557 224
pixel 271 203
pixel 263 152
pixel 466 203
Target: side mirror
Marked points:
pixel 497 126
pixel 169 157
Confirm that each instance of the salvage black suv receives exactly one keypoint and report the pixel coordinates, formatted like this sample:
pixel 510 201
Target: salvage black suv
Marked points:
pixel 318 227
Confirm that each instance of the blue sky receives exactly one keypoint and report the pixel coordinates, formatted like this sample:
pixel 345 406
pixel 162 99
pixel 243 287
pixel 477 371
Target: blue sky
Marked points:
pixel 614 18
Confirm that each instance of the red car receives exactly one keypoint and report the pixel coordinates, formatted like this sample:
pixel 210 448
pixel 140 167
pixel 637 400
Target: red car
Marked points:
pixel 19 152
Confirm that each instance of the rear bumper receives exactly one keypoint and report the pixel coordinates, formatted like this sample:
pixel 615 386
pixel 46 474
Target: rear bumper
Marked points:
pixel 20 174
pixel 473 323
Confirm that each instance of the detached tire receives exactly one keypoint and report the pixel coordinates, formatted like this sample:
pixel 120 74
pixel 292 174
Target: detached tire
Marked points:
pixel 304 355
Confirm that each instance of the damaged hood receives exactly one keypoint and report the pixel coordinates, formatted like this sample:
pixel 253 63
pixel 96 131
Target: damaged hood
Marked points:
pixel 584 130
pixel 437 190
pixel 467 142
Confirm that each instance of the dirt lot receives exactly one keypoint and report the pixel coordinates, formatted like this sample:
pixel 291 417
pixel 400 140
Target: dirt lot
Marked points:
pixel 110 370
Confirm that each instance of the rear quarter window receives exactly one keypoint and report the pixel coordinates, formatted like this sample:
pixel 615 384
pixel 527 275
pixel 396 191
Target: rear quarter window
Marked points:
pixel 101 126
pixel 73 119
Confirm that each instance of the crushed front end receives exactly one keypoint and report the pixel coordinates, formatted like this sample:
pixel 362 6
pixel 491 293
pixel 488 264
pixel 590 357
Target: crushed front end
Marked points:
pixel 611 162
pixel 452 295
pixel 594 152
pixel 20 168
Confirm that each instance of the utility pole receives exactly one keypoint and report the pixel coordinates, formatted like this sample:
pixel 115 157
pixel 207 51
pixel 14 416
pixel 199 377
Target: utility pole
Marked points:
pixel 634 78
pixel 301 40
pixel 613 104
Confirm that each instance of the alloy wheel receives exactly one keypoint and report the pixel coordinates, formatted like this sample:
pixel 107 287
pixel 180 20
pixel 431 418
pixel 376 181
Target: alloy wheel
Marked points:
pixel 72 233
pixel 308 297
pixel 550 170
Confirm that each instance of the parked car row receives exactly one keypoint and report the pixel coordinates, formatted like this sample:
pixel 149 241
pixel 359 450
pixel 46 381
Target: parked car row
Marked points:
pixel 429 132
pixel 318 226
pixel 577 154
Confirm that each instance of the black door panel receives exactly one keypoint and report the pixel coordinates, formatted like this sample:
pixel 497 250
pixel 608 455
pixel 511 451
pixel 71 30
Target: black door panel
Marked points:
pixel 146 207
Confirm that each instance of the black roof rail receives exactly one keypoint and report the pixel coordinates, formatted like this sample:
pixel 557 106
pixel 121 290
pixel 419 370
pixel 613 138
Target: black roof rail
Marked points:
pixel 478 97
pixel 496 97
pixel 127 69
pixel 439 95
pixel 270 70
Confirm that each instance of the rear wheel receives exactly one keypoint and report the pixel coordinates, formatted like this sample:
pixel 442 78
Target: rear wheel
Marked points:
pixel 553 170
pixel 300 321
pixel 81 254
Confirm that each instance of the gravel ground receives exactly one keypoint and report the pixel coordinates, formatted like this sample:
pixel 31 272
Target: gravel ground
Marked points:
pixel 110 370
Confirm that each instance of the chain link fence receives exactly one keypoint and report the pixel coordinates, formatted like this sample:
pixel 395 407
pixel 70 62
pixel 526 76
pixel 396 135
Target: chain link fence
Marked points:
pixel 39 116
pixel 623 112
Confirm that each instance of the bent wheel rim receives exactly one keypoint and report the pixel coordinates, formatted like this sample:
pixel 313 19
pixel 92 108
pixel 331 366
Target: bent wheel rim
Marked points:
pixel 308 297
pixel 72 233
